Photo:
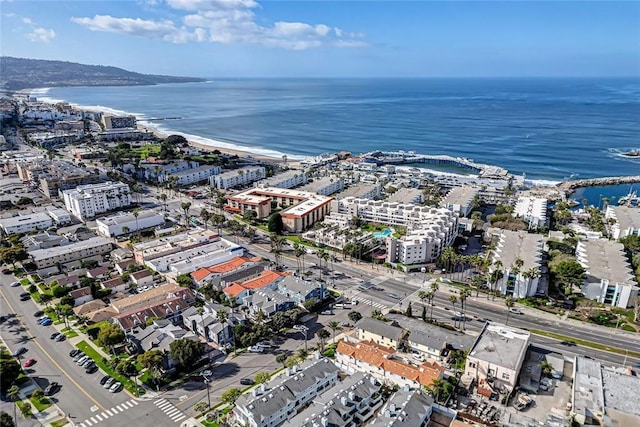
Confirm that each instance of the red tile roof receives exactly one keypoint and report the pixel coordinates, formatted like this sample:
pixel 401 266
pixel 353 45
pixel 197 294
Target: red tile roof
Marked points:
pixel 266 278
pixel 234 290
pixel 225 267
pixel 160 309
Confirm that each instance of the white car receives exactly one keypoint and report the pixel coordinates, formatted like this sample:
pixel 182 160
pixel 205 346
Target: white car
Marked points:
pixel 256 349
pixel 299 327
pixel 514 310
pixel 15 284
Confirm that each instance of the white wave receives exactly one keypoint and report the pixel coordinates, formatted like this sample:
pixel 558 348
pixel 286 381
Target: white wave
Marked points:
pixel 542 182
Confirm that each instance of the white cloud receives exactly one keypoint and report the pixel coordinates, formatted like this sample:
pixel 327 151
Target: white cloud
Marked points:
pixel 27 21
pixel 40 34
pixel 225 22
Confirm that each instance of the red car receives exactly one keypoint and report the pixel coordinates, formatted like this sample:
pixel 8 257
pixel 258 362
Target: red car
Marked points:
pixel 29 362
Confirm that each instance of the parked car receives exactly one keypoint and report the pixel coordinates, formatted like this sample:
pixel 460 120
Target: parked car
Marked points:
pixel 115 388
pixel 54 335
pixel 60 338
pixel 20 351
pixel 25 296
pixel 38 313
pixel 265 344
pixel 104 379
pixel 299 327
pixel 51 388
pixel 327 312
pixel 346 325
pixel 73 352
pixel 42 319
pixel 82 359
pixel 78 356
pixel 47 322
pixel 256 349
pixel 87 363
pixel 246 381
pixel 29 362
pixel 15 284
pixel 109 383
pixel 91 369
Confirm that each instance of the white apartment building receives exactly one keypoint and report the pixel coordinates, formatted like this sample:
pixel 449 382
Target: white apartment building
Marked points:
pixel 86 201
pixel 412 196
pixel 519 282
pixel 190 259
pixel 496 358
pixel 118 122
pixel 278 400
pixel 59 216
pixel 199 174
pixel 237 178
pixel 288 179
pixel 627 220
pixel 72 252
pixel 324 186
pixel 119 224
pixel 609 278
pixel 460 200
pixel 361 191
pixel 533 210
pixel 25 223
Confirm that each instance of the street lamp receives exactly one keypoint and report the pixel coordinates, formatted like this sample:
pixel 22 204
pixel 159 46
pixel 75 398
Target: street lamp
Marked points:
pixel 304 330
pixel 423 270
pixel 206 381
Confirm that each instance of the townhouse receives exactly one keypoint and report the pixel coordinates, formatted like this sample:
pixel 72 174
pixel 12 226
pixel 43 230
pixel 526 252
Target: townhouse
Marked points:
pixel 382 333
pixel 406 408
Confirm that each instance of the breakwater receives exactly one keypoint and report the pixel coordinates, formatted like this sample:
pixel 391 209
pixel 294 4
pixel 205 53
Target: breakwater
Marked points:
pixel 569 186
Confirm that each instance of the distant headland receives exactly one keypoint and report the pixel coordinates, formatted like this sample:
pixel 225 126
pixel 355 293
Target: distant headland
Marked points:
pixel 22 73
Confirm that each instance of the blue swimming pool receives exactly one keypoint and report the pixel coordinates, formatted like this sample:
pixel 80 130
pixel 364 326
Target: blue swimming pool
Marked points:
pixel 382 234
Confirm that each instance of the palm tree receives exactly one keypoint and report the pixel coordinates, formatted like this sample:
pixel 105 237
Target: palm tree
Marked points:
pixel 509 302
pixel 515 270
pixel 446 257
pixel 125 229
pixel 546 367
pixel 334 326
pixel 185 207
pixel 205 215
pixel 223 316
pixel 497 275
pixel 14 393
pixel 163 199
pixel 136 213
pixel 464 294
pixel 530 274
pixel 440 386
pixel 453 299
pixel 430 296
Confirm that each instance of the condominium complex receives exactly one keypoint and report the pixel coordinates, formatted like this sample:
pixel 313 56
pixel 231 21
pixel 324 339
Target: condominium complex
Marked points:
pixel 86 201
pixel 302 209
pixel 118 122
pixel 80 250
pixel 197 174
pixel 237 178
pixel 288 179
pixel 609 278
pixel 324 186
pixel 406 408
pixel 532 210
pixel 52 176
pixel 361 191
pixel 460 200
pixel 25 223
pixel 627 220
pixel 412 196
pixel 514 248
pixel 279 400
pixel 119 224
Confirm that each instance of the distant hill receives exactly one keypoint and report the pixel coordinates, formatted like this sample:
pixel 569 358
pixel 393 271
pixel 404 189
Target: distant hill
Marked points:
pixel 22 73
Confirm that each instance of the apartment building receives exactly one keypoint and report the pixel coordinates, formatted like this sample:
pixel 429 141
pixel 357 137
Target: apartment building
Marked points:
pixel 460 200
pixel 406 408
pixel 191 259
pixel 349 403
pixel 609 278
pixel 59 216
pixel 55 139
pixel 302 208
pixel 361 191
pixel 52 176
pixel 280 399
pixel 86 201
pixel 267 279
pixel 80 250
pixel 514 247
pixel 237 178
pixel 627 220
pixel 194 175
pixel 379 332
pixel 496 358
pixel 111 121
pixel 532 210
pixel 410 196
pixel 288 179
pixel 235 270
pixel 324 186
pixel 25 223
pixel 146 251
pixel 120 224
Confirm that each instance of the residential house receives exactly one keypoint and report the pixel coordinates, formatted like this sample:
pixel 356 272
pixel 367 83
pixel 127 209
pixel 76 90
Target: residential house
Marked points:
pixel 71 281
pixel 98 273
pixel 268 278
pixel 301 290
pixel 267 301
pixel 208 326
pixel 382 333
pixel 406 408
pixel 279 400
pixel 159 336
pixel 122 266
pixel 81 296
pixel 142 278
pixel 116 284
pixel 349 403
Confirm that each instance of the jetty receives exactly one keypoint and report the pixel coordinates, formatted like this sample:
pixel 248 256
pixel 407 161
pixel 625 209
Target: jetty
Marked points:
pixel 570 186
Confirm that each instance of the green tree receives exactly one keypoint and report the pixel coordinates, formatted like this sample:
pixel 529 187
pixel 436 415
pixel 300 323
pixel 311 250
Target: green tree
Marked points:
pixel 323 335
pixel 110 335
pixel 127 368
pixel 9 371
pixel 25 409
pixel 14 394
pixel 569 274
pixel 275 225
pixel 249 215
pixel 281 358
pixel 6 420
pixel 205 216
pixel 509 303
pixel 291 361
pixel 441 389
pixel 185 280
pixel 186 351
pixel 354 316
pixel 201 407
pixel 334 326
pixel 262 377
pixel 231 395
pixel 185 206
pixel 153 360
pixel 37 394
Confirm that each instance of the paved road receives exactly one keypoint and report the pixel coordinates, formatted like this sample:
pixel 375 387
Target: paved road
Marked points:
pixel 80 394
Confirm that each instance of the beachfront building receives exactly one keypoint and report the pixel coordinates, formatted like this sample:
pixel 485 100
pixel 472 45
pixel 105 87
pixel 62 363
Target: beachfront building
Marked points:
pixel 627 221
pixel 153 168
pixel 194 175
pixel 54 139
pixel 410 196
pixel 86 201
pixel 325 186
pixel 120 224
pixel 533 210
pixel 302 209
pixel 280 399
pixel 289 179
pixel 110 121
pixel 514 248
pixel 460 200
pixel 237 177
pixel 361 191
pixel 609 278
pixel 25 223
pixel 62 254
pixel 496 358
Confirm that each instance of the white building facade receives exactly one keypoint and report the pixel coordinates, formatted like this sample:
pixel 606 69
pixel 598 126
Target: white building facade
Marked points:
pixel 237 178
pixel 533 210
pixel 86 201
pixel 25 223
pixel 117 225
pixel 514 247
pixel 288 179
pixel 199 174
pixel 627 221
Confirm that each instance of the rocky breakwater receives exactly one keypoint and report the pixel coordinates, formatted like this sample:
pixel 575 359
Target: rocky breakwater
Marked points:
pixel 569 186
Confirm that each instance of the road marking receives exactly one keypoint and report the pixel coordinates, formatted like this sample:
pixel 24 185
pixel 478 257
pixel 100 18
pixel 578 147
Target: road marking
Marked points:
pixel 183 398
pixel 179 418
pixel 104 414
pixel 33 338
pixel 129 404
pixel 115 410
pixel 172 412
pixel 94 420
pixel 108 412
pixel 94 408
pixel 135 402
pixel 122 408
pixel 88 422
pixel 98 417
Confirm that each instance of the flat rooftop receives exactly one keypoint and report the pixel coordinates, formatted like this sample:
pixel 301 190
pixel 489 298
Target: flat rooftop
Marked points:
pixel 461 196
pixel 627 218
pixel 24 219
pixel 191 171
pixel 281 177
pixel 357 190
pixel 128 217
pixel 520 244
pixel 501 345
pixel 405 195
pixel 604 259
pixel 93 242
pixel 621 391
pixel 587 387
pixel 320 183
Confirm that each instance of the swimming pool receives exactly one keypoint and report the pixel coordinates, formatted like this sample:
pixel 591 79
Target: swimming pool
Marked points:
pixel 382 234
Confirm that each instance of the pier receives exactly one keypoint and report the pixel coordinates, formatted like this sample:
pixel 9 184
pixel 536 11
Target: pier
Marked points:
pixel 570 186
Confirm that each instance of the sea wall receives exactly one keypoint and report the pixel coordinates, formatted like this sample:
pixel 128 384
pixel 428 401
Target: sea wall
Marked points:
pixel 570 186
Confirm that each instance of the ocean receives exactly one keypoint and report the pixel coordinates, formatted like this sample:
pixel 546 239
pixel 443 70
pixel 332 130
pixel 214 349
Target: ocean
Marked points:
pixel 549 129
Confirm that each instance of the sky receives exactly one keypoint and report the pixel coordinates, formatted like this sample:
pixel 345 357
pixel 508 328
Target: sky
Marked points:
pixel 304 38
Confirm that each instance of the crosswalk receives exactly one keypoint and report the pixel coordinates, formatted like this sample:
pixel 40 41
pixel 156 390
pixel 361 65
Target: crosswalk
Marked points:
pixel 369 302
pixel 105 415
pixel 171 411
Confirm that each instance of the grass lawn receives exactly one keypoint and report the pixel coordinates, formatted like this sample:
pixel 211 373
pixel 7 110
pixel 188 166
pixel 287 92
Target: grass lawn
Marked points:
pixel 69 332
pixel 585 343
pixel 21 404
pixel 40 404
pixel 90 351
pixel 25 282
pixel 60 423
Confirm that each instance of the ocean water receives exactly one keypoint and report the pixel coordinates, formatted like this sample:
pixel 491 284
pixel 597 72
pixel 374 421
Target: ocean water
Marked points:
pixel 548 129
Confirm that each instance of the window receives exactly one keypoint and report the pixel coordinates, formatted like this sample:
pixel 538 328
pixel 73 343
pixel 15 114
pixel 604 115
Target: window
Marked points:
pixel 473 365
pixel 505 376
